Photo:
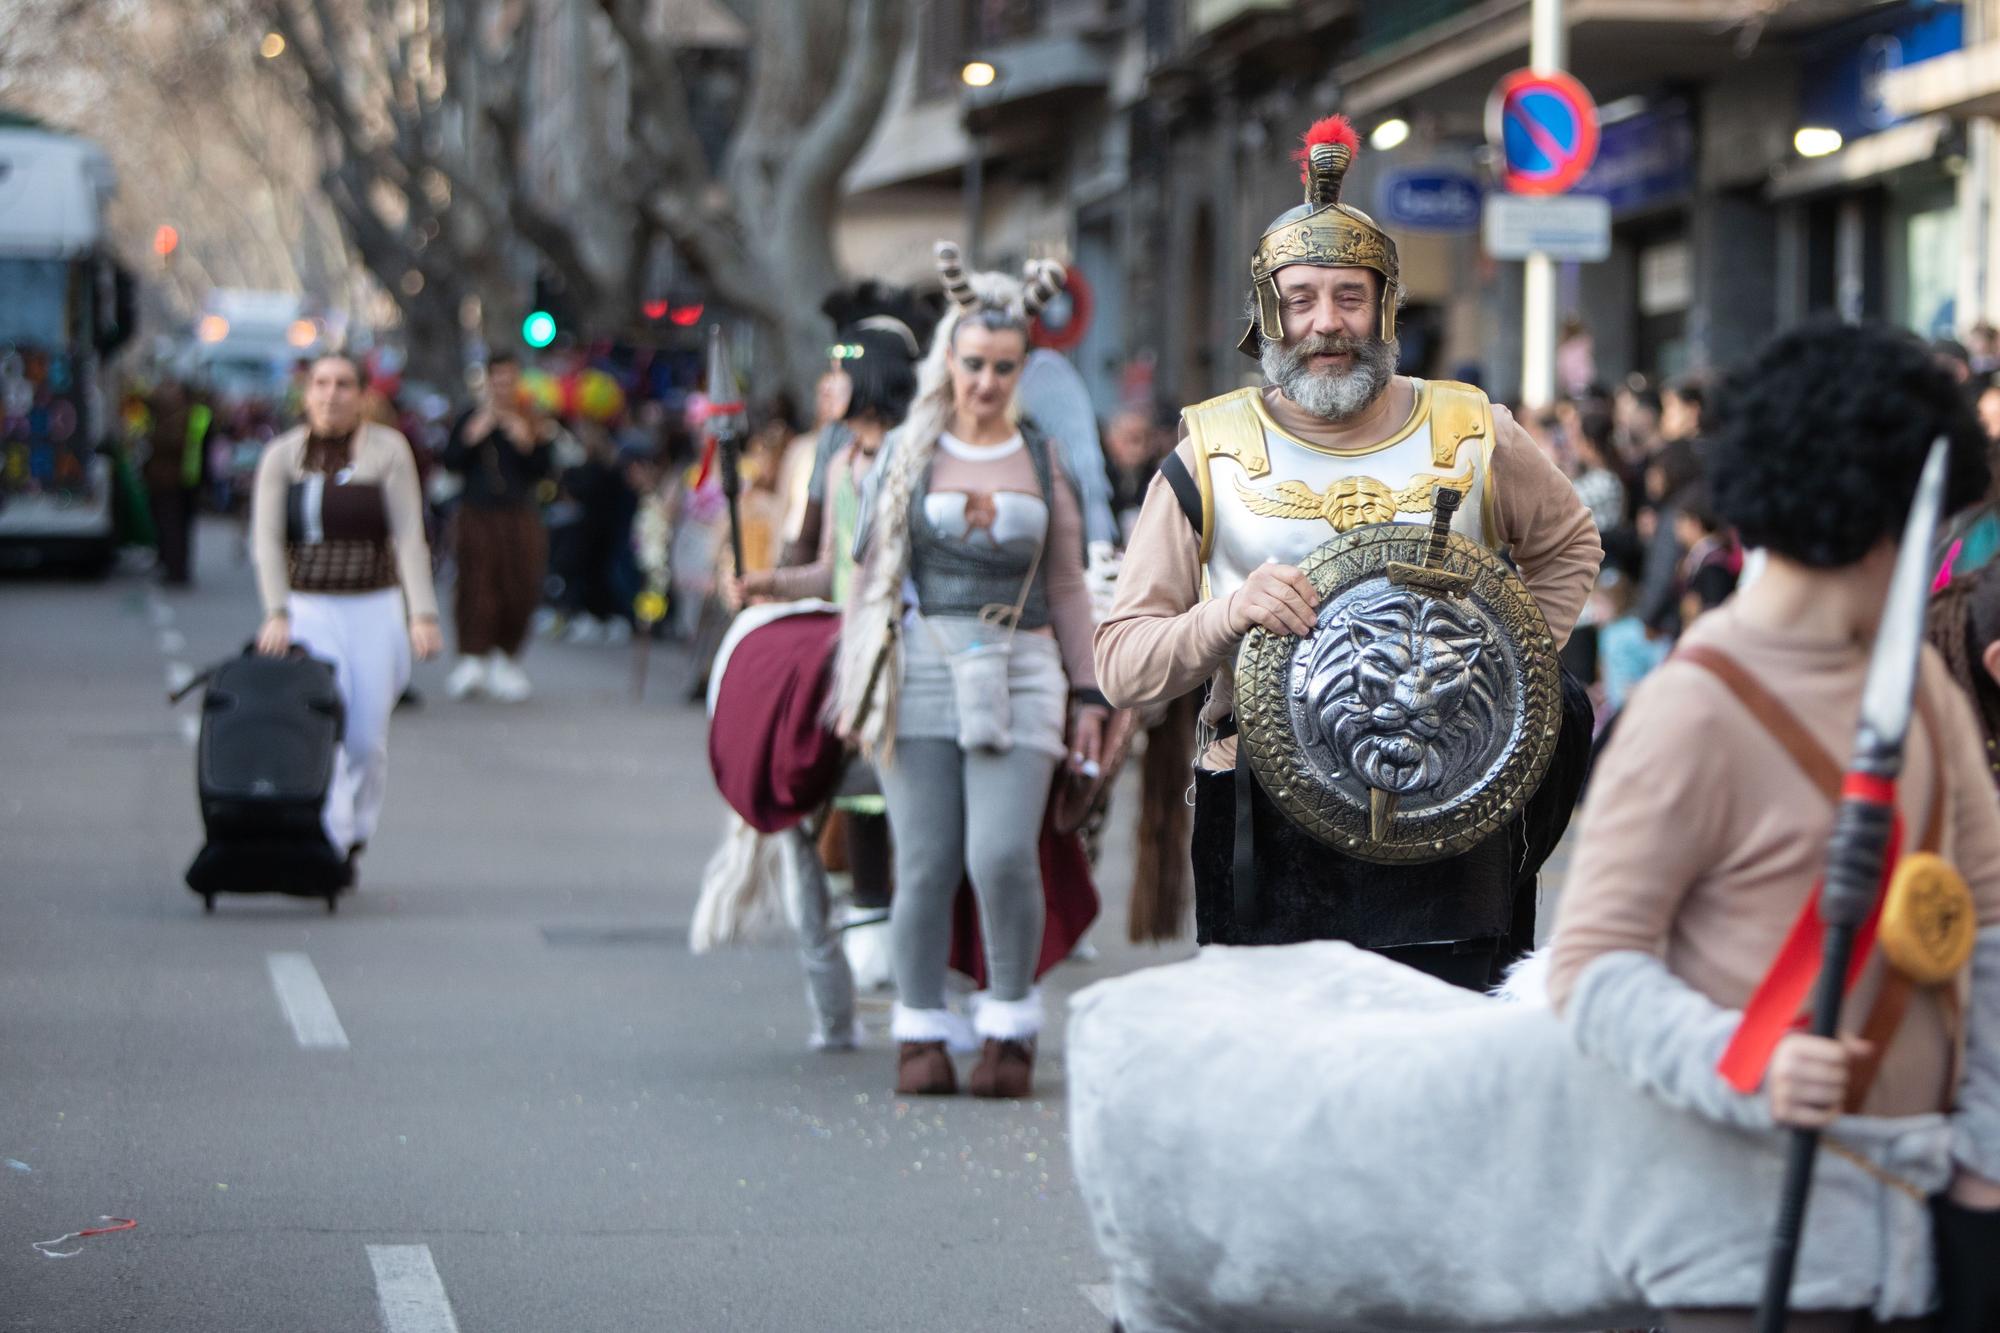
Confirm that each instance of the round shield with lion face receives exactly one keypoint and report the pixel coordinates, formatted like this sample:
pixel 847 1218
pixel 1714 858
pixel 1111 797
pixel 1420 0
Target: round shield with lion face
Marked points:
pixel 1420 715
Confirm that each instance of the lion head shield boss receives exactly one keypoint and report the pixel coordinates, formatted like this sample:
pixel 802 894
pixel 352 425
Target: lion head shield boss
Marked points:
pixel 1421 713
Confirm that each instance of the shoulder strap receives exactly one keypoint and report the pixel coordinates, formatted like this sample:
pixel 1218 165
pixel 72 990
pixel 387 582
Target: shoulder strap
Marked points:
pixel 1185 490
pixel 1813 759
pixel 1933 839
pixel 1783 725
pixel 1037 445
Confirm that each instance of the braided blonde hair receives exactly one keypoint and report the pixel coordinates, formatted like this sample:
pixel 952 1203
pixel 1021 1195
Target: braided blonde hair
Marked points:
pixel 1964 618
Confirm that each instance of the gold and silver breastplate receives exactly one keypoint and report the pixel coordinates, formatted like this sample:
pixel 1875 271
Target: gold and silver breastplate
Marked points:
pixel 1267 495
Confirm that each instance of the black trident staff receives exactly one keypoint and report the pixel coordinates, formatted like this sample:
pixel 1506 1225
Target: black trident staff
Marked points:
pixel 1861 833
pixel 725 407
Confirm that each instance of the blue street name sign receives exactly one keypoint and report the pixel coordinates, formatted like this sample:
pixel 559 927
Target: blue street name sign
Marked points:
pixel 1432 199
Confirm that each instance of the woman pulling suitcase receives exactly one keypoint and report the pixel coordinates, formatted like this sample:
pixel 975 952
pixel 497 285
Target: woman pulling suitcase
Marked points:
pixel 343 571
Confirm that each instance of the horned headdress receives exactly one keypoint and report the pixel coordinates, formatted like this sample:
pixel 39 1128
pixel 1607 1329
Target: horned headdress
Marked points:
pixel 1041 279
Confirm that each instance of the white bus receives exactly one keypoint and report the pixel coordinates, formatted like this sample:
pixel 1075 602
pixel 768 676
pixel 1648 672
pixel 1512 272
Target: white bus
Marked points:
pixel 65 306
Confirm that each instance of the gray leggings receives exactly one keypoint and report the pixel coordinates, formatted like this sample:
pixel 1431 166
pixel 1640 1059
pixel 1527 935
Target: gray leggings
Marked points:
pixel 954 812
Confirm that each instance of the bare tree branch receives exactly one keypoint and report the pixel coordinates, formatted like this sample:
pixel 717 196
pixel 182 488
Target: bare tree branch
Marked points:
pixel 843 124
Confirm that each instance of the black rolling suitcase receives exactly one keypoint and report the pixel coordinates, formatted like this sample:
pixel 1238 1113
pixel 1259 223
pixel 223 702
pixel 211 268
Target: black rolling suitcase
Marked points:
pixel 270 727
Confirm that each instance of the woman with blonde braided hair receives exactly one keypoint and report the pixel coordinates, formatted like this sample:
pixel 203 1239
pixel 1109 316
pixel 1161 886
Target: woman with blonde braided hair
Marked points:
pixel 970 699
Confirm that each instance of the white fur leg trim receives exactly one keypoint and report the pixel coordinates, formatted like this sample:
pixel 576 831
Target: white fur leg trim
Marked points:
pixel 907 1024
pixel 1007 1020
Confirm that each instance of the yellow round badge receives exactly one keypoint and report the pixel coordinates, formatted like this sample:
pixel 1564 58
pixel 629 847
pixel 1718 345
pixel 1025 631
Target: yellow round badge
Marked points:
pixel 1928 921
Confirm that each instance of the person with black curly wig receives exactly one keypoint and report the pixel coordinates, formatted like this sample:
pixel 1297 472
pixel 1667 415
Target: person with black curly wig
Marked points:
pixel 1707 822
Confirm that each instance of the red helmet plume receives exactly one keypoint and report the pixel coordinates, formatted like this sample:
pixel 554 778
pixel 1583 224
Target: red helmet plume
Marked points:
pixel 1332 129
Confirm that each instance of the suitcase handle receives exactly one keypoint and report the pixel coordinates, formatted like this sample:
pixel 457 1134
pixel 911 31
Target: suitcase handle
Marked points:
pixel 207 673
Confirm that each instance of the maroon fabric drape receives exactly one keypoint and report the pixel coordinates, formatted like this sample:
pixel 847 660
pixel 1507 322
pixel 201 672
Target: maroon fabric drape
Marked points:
pixel 776 764
pixel 1067 890
pixel 773 760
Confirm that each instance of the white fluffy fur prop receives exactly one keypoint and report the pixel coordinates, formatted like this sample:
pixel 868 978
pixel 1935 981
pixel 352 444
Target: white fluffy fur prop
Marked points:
pixel 1313 1138
pixel 1527 981
pixel 742 892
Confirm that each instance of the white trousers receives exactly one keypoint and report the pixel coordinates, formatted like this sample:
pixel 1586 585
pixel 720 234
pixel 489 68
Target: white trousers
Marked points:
pixel 366 636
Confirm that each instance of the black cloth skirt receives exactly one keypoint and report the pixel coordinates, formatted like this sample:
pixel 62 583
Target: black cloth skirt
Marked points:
pixel 1480 902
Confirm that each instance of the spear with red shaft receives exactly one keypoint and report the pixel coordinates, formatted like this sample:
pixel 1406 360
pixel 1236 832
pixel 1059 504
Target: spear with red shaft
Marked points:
pixel 725 426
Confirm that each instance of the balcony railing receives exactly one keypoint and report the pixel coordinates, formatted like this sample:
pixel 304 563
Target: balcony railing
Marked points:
pixel 995 22
pixel 1386 22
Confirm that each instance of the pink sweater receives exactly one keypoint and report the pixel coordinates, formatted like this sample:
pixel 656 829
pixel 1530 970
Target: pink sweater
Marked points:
pixel 1701 838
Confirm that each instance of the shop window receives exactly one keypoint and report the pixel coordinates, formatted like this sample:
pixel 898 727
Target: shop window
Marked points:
pixel 1930 270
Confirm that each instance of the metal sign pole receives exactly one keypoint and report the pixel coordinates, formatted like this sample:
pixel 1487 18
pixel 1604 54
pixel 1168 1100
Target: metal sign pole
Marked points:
pixel 1546 54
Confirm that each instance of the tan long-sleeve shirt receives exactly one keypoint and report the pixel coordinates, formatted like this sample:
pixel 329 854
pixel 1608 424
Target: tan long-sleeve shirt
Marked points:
pixel 1701 837
pixel 1162 640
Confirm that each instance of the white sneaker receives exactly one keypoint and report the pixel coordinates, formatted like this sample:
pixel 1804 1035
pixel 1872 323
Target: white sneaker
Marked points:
pixel 548 622
pixel 617 631
pixel 466 679
pixel 505 679
pixel 585 629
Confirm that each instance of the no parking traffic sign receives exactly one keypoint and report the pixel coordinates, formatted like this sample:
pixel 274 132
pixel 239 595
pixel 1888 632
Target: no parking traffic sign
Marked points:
pixel 1545 126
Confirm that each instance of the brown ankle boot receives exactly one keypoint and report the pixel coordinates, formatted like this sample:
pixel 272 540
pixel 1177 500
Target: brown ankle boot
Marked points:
pixel 923 1069
pixel 1005 1069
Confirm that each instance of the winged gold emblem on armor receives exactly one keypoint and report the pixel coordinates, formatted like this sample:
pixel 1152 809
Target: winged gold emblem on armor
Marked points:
pixel 1351 502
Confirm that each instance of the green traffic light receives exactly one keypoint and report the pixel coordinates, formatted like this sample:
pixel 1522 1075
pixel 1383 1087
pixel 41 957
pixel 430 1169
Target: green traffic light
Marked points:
pixel 538 329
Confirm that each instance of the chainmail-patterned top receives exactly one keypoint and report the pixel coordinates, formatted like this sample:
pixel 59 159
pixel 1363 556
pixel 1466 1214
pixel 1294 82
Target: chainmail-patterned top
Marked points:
pixel 971 551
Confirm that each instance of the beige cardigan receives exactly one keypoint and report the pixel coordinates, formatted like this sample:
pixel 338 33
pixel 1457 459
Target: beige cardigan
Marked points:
pixel 381 456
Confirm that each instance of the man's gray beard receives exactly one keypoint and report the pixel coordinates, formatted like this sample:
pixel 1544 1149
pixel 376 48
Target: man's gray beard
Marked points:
pixel 1332 395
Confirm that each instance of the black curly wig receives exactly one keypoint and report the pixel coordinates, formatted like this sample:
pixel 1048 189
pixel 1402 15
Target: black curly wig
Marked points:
pixel 883 376
pixel 1817 443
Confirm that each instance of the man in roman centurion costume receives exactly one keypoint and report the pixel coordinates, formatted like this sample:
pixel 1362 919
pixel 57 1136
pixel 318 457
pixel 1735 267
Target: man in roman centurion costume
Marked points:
pixel 1373 575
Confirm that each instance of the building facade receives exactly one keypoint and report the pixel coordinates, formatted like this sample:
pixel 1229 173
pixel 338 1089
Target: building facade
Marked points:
pixel 1148 142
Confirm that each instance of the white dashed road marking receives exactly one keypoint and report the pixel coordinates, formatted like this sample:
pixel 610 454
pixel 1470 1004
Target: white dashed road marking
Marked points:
pixel 172 642
pixel 1099 1295
pixel 190 728
pixel 178 675
pixel 306 1003
pixel 410 1291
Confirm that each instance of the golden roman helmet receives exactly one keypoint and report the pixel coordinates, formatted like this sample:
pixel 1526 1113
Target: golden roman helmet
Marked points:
pixel 1321 231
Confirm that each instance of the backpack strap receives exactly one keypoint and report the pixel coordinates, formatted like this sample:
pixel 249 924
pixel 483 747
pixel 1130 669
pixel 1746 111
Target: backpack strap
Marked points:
pixel 1185 490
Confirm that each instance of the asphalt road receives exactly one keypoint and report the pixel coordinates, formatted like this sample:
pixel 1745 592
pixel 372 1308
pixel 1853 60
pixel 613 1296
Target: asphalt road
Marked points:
pixel 496 1091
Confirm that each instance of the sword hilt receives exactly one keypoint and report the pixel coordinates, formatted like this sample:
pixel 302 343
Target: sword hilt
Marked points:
pixel 1431 575
pixel 1444 503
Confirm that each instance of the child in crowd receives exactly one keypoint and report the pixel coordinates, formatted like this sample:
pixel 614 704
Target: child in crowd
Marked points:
pixel 1713 561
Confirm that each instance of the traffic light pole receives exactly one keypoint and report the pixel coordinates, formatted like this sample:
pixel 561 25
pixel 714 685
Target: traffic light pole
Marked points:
pixel 1547 50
